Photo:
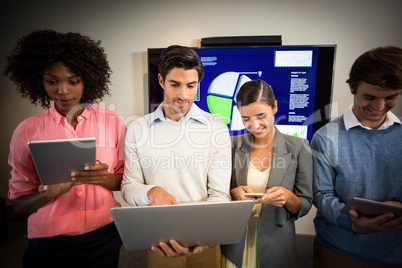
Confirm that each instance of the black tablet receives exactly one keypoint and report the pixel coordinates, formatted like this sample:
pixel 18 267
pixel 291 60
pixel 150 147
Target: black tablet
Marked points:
pixel 55 159
pixel 370 208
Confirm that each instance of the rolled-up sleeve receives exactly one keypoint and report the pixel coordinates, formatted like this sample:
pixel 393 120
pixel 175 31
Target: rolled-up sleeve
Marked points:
pixel 24 179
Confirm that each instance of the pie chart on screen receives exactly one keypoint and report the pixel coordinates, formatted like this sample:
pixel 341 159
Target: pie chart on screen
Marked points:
pixel 221 99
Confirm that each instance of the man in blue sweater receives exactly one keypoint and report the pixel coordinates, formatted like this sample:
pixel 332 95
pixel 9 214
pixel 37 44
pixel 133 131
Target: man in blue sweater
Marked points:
pixel 359 155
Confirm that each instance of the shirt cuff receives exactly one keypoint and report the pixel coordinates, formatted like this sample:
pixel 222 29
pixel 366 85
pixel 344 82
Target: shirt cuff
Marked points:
pixel 146 194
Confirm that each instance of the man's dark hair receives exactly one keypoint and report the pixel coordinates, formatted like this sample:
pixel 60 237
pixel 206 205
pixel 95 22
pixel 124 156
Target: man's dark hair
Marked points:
pixel 176 56
pixel 381 66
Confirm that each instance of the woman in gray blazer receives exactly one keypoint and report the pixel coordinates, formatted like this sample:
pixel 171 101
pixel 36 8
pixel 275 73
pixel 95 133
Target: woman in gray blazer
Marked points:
pixel 278 165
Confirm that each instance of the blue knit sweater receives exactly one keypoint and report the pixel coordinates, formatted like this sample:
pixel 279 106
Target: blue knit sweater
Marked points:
pixel 362 163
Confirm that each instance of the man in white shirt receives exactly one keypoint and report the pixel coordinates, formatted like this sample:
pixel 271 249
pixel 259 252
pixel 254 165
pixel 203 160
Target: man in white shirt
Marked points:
pixel 178 154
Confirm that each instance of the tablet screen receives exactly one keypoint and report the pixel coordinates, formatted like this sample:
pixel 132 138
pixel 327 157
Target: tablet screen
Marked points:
pixel 370 208
pixel 55 159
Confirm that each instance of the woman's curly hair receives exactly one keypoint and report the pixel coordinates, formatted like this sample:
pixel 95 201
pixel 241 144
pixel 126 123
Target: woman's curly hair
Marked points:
pixel 40 49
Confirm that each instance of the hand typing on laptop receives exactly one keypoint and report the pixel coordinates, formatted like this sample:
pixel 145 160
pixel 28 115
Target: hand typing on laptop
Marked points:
pixel 158 196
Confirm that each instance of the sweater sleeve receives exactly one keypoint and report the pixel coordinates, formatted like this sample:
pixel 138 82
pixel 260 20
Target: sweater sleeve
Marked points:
pixel 324 195
pixel 133 187
pixel 219 170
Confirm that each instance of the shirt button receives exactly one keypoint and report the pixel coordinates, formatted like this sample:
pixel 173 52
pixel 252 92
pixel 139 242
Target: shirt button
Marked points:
pixel 80 208
pixel 80 224
pixel 80 192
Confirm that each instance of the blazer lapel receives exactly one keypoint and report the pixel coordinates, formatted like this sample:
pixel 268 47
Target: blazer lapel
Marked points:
pixel 243 154
pixel 280 161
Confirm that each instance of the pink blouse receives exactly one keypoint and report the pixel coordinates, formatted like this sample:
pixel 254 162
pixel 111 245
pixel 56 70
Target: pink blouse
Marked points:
pixel 85 207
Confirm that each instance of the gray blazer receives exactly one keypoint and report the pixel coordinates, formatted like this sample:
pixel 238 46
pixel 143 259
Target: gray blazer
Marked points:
pixel 291 168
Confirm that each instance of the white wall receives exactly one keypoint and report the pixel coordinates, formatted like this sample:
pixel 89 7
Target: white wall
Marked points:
pixel 128 28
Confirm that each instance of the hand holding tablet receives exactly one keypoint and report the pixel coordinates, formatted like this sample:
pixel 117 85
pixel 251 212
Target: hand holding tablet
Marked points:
pixel 55 159
pixel 371 208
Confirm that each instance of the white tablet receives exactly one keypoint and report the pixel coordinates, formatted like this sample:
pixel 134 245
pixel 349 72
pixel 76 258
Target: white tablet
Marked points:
pixel 370 208
pixel 55 159
pixel 206 223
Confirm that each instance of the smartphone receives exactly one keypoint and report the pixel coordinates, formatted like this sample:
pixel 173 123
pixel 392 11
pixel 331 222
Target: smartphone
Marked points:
pixel 254 195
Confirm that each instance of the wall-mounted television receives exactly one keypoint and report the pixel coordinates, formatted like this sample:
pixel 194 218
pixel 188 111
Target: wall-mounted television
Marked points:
pixel 301 78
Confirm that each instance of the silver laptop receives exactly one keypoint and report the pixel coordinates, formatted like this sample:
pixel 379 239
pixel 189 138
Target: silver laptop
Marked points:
pixel 55 159
pixel 206 223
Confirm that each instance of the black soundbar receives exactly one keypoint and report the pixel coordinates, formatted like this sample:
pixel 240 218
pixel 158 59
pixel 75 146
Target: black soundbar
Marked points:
pixel 264 40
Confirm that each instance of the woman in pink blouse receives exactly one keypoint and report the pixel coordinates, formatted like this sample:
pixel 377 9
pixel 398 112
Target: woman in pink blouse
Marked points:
pixel 69 224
